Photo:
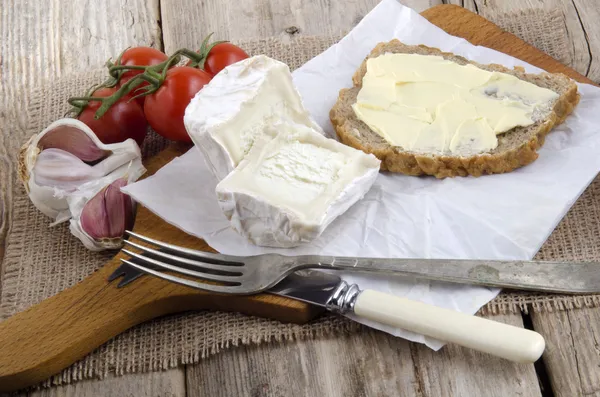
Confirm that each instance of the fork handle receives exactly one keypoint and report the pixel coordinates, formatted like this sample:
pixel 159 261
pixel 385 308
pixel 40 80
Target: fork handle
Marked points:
pixel 502 340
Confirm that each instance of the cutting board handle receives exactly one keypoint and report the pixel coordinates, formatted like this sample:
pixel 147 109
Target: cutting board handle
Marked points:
pixel 48 337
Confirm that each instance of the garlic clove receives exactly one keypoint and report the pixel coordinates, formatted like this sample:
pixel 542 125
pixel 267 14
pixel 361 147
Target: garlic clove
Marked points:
pixel 73 140
pixel 51 190
pixel 100 212
pixel 119 209
pixel 63 170
pixel 108 213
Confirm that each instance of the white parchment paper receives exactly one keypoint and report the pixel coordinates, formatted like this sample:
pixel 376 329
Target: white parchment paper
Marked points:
pixel 505 216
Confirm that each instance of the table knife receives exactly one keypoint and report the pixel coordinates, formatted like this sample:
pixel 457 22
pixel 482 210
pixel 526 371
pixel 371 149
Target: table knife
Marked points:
pixel 331 292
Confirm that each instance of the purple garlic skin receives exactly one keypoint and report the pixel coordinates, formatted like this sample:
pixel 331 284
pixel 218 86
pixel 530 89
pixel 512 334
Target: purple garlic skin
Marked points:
pixel 109 213
pixel 74 141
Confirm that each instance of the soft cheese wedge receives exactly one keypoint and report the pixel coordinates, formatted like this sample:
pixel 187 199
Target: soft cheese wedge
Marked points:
pixel 288 189
pixel 230 113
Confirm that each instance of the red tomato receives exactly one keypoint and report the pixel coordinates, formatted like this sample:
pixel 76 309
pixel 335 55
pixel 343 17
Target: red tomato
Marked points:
pixel 121 121
pixel 222 55
pixel 139 56
pixel 165 108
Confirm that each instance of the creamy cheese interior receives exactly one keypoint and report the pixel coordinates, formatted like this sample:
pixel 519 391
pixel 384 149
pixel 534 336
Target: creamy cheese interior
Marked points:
pixel 299 170
pixel 427 104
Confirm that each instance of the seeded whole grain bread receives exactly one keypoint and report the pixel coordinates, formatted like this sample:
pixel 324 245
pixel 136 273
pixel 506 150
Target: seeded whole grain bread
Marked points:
pixel 516 147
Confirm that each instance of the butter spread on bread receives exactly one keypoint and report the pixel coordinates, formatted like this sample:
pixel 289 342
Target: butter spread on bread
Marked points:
pixel 426 103
pixel 515 148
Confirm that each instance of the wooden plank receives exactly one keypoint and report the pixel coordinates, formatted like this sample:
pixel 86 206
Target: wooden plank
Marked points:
pixel 169 383
pixel 187 22
pixel 478 30
pixel 456 371
pixel 364 364
pixel 62 37
pixel 574 12
pixel 62 329
pixel 572 355
pixel 588 13
pixel 368 363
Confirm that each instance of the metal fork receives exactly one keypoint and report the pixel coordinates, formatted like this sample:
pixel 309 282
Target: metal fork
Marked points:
pixel 254 274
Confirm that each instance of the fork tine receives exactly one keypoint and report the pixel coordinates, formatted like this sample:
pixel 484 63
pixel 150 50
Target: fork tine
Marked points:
pixel 184 281
pixel 228 259
pixel 232 270
pixel 193 273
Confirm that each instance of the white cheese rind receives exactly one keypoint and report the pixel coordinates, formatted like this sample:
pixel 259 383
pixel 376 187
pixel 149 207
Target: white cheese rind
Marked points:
pixel 226 117
pixel 292 204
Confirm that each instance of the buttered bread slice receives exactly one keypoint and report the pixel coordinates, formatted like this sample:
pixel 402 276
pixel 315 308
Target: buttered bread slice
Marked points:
pixel 423 111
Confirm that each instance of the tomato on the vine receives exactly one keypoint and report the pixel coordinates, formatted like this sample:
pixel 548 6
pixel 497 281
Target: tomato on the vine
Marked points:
pixel 222 55
pixel 164 109
pixel 139 56
pixel 125 119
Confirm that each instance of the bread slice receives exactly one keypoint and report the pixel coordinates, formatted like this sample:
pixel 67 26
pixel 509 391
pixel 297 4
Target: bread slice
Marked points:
pixel 516 147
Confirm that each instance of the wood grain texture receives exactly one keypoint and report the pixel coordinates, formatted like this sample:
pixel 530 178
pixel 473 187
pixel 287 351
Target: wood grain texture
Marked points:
pixel 169 383
pixel 588 13
pixel 367 364
pixel 370 363
pixel 53 334
pixel 581 18
pixel 187 22
pixel 572 356
pixel 456 371
pixel 477 30
pixel 61 37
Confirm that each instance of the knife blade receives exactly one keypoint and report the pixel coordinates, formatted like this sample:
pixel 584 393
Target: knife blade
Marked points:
pixel 314 287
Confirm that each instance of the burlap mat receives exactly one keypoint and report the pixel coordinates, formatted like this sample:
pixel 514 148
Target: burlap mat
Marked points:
pixel 41 261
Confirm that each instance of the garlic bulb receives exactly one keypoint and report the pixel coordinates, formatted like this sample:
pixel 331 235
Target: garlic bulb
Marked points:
pixel 65 166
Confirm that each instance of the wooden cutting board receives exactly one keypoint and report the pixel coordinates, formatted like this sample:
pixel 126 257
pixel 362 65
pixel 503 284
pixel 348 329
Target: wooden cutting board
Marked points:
pixel 50 336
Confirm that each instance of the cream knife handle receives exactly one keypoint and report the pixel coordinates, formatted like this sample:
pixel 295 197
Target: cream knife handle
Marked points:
pixel 502 340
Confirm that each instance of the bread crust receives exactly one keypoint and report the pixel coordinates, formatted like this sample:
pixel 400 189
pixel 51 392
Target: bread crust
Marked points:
pixel 352 132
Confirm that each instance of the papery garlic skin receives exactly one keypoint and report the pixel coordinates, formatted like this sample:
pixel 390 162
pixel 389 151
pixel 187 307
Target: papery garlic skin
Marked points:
pixel 52 200
pixel 62 170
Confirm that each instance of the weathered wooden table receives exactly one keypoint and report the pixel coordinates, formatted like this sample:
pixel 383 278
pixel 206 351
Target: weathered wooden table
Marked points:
pixel 42 40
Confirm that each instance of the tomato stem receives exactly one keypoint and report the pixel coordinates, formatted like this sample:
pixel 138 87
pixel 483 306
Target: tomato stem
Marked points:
pixel 154 75
pixel 127 67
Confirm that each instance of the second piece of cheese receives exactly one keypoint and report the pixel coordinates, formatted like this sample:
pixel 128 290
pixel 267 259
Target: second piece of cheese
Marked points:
pixel 231 112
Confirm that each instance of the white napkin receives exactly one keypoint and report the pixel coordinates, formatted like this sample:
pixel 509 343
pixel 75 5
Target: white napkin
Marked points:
pixel 505 216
